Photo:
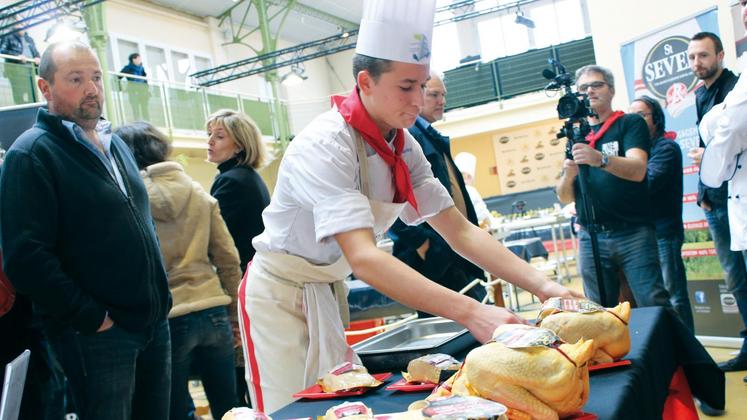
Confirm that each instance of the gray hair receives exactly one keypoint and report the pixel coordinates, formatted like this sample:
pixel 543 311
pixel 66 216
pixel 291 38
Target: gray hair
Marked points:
pixel 593 68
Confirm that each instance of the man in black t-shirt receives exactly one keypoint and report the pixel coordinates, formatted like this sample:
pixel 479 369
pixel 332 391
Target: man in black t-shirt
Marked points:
pixel 617 154
pixel 706 54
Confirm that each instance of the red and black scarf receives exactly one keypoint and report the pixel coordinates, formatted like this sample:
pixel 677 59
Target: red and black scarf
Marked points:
pixel 354 113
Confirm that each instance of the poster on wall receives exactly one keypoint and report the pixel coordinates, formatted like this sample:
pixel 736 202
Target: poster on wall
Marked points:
pixel 529 158
pixel 657 65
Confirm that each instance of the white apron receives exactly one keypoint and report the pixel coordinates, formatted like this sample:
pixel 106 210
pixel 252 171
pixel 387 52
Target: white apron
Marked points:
pixel 291 313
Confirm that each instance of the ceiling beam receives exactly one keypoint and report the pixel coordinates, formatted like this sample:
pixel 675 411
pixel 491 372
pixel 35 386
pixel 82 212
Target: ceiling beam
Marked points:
pixel 29 13
pixel 316 13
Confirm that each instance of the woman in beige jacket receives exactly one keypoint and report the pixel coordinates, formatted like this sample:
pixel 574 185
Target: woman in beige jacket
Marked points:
pixel 203 267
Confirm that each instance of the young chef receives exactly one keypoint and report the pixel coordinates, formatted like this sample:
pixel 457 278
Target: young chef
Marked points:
pixel 343 181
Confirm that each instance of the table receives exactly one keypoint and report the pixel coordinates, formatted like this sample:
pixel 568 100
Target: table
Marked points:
pixel 527 249
pixel 553 221
pixel 366 302
pixel 659 344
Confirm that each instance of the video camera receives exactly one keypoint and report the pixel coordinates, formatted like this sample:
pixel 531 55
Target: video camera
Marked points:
pixel 573 106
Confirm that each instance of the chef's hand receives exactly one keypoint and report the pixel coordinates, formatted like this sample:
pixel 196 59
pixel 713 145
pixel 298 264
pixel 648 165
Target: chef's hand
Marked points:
pixel 487 318
pixel 696 154
pixel 552 289
pixel 583 154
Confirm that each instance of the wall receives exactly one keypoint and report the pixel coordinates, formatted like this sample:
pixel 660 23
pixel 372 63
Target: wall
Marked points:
pixel 474 129
pixel 614 23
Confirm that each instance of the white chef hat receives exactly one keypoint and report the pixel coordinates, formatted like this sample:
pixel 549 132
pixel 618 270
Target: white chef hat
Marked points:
pixel 397 30
pixel 466 162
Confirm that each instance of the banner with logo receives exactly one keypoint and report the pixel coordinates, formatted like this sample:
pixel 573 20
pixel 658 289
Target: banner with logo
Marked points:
pixel 529 158
pixel 657 65
pixel 740 36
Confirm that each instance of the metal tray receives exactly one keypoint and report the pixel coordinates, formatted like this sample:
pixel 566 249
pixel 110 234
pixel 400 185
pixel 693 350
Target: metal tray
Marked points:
pixel 393 350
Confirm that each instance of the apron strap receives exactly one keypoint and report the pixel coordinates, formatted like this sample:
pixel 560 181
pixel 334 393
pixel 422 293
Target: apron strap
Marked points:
pixel 360 147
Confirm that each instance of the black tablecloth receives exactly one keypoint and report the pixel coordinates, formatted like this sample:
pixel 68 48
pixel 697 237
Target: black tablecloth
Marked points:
pixel 659 344
pixel 527 249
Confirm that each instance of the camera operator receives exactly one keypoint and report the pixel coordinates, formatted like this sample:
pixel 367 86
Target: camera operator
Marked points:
pixel 616 154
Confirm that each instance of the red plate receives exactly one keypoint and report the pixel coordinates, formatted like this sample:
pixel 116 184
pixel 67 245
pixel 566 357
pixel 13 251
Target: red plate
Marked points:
pixel 315 392
pixel 603 366
pixel 404 386
pixel 581 416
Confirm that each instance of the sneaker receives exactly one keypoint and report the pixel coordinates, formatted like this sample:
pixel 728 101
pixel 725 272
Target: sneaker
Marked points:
pixel 708 410
pixel 735 364
pixel 744 379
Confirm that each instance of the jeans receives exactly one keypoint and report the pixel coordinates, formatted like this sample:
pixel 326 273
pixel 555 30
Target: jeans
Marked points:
pixel 732 262
pixel 631 251
pixel 675 281
pixel 203 339
pixel 117 374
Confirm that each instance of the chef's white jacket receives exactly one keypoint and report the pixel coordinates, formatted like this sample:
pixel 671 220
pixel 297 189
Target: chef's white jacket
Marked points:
pixel 317 194
pixel 724 130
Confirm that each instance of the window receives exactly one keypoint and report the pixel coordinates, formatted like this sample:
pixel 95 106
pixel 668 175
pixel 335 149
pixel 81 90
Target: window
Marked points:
pixel 155 63
pixel 448 53
pixel 160 62
pixel 555 21
pixel 180 66
pixel 202 63
pixel 125 49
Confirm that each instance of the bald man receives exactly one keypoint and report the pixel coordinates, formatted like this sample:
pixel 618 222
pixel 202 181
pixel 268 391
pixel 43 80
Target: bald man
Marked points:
pixel 420 246
pixel 78 239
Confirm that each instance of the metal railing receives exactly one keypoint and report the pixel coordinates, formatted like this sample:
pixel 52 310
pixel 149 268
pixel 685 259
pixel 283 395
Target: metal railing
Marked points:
pixel 180 108
pixel 18 81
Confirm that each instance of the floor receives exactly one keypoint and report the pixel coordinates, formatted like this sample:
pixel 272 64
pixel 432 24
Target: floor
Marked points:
pixel 736 389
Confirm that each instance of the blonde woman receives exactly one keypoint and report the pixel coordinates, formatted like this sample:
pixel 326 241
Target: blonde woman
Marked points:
pixel 235 145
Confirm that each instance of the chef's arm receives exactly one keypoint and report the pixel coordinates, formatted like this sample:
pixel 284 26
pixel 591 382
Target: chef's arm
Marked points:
pixel 482 249
pixel 395 279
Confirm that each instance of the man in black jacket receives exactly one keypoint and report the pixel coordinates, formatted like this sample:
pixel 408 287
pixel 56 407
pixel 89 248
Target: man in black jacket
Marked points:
pixel 420 246
pixel 20 72
pixel 706 54
pixel 78 239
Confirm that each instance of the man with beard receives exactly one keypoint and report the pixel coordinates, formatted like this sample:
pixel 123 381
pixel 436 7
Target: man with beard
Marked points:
pixel 78 238
pixel 706 54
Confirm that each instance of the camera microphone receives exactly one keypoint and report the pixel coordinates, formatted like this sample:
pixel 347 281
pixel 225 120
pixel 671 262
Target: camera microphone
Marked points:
pixel 549 74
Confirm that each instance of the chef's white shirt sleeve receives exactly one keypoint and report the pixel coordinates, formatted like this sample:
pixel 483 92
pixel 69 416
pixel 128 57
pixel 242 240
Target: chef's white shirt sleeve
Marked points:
pixel 323 175
pixel 724 130
pixel 431 196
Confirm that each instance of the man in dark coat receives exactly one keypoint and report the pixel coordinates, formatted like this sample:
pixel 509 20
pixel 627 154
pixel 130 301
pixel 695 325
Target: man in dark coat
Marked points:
pixel 420 246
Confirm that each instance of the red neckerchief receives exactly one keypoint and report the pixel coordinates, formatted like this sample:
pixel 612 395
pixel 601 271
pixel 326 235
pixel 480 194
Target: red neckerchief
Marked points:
pixel 354 113
pixel 670 135
pixel 593 137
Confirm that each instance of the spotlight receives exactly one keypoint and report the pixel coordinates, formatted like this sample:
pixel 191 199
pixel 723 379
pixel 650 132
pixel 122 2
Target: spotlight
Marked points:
pixel 522 20
pixel 296 76
pixel 65 30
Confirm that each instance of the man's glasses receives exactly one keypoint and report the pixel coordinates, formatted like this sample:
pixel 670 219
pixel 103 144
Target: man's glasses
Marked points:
pixel 643 114
pixel 594 85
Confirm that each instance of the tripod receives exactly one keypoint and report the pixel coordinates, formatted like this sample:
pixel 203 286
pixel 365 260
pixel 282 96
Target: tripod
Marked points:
pixel 576 131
